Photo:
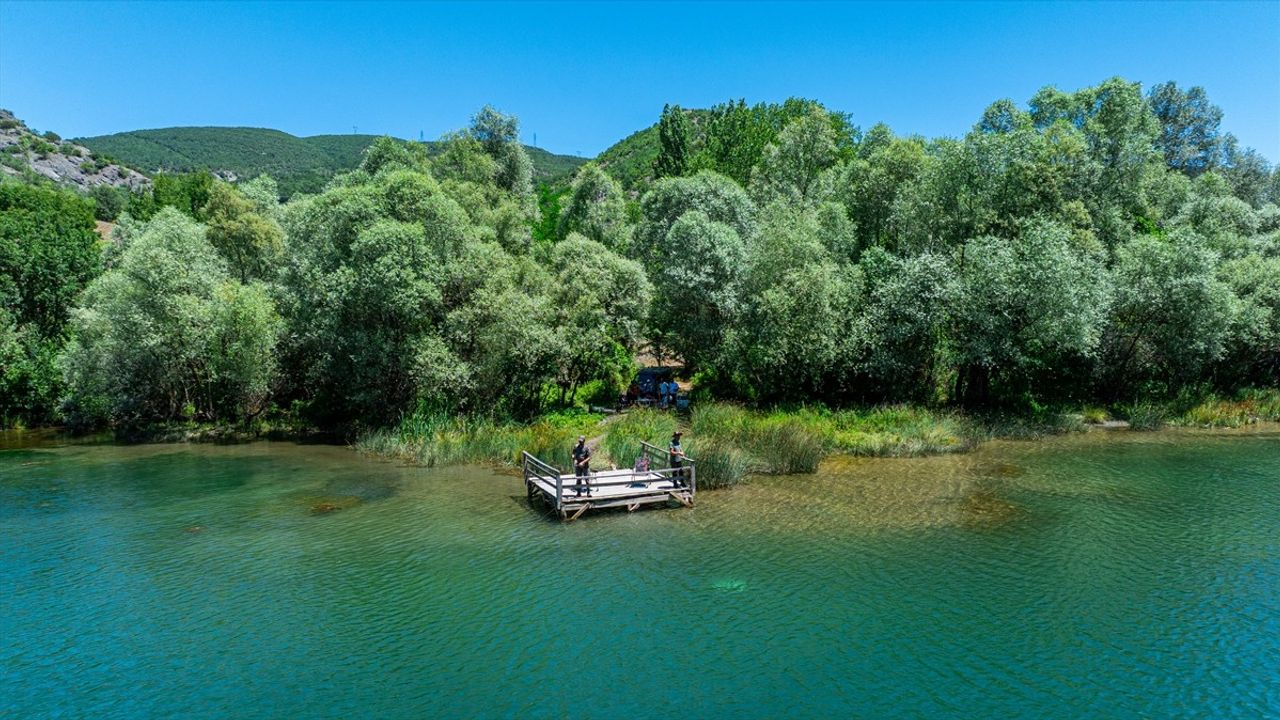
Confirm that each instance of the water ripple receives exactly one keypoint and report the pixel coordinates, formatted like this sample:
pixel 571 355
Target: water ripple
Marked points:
pixel 1116 576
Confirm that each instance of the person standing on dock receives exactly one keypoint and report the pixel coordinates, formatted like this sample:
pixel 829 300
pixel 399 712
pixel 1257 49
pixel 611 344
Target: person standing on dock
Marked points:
pixel 582 466
pixel 675 458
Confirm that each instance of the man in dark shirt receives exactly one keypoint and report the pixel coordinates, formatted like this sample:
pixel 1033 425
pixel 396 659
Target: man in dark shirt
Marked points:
pixel 582 466
pixel 675 458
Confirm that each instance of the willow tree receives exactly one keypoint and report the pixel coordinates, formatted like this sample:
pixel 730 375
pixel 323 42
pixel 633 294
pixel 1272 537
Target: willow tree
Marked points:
pixel 796 332
pixel 719 198
pixel 168 334
pixel 1023 308
pixel 596 209
pixel 792 166
pixel 1172 316
pixel 697 293
pixel 249 239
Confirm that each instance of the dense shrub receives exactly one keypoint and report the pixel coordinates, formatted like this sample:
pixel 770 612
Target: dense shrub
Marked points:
pixel 167 335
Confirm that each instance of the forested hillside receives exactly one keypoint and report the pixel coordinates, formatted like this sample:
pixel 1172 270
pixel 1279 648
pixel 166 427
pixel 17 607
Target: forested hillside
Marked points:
pixel 1105 245
pixel 298 164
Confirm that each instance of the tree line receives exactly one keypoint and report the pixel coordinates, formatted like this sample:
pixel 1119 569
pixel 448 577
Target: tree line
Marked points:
pixel 1095 245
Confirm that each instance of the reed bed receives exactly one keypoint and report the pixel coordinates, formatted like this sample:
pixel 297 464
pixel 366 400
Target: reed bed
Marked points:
pixel 900 431
pixel 624 433
pixel 438 441
pixel 1247 408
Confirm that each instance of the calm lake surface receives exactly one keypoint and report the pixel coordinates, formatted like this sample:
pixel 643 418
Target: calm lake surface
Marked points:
pixel 1099 575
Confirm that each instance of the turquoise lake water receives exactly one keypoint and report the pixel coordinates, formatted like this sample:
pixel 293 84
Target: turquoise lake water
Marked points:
pixel 1099 575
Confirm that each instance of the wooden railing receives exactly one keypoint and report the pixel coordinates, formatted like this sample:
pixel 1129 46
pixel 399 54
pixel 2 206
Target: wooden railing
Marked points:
pixel 533 467
pixel 660 458
pixel 658 471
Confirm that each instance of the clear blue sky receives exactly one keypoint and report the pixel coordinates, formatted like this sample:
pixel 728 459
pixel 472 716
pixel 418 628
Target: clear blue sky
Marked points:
pixel 582 76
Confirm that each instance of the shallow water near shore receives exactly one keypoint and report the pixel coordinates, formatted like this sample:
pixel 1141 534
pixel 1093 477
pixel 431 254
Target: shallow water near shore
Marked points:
pixel 1094 575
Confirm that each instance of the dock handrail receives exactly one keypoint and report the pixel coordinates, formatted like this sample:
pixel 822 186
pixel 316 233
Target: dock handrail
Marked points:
pixel 653 452
pixel 534 467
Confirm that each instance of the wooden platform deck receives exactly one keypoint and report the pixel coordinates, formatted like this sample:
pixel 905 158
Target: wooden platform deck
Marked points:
pixel 609 488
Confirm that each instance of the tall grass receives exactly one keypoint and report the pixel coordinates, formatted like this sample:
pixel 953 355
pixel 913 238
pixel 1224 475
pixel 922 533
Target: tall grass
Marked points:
pixel 1147 416
pixel 796 441
pixel 438 440
pixel 777 442
pixel 900 431
pixel 1247 408
pixel 623 434
pixel 719 464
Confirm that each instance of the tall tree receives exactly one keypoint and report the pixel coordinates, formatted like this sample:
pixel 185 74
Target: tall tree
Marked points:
pixel 1022 308
pixel 673 136
pixel 1189 136
pixel 792 166
pixel 168 335
pixel 596 209
pixel 697 295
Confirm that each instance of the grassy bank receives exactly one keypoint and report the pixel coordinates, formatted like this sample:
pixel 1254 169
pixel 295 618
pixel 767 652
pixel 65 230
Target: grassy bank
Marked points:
pixel 731 442
pixel 1249 407
pixel 436 440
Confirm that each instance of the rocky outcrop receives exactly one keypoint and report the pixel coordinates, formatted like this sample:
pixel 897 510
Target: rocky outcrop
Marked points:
pixel 63 162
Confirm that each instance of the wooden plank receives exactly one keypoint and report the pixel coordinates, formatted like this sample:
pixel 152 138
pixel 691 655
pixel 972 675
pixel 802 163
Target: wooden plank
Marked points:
pixel 585 507
pixel 602 504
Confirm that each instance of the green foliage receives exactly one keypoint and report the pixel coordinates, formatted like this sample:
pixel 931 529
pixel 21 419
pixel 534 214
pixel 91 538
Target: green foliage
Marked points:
pixel 1092 247
pixel 596 209
pixel 899 431
pixel 407 294
pixel 697 273
pixel 869 184
pixel 550 202
pixel 602 301
pixel 1189 136
pixel 439 440
pixel 188 193
pixel 720 464
pixel 1147 415
pixel 623 434
pixel 674 140
pixel 109 201
pixel 244 233
pixel 717 197
pixel 48 252
pixel 795 332
pixel 902 322
pixel 778 443
pixel 167 335
pixel 29 379
pixel 631 160
pixel 736 134
pixel 1172 316
pixel 1023 308
pixel 793 167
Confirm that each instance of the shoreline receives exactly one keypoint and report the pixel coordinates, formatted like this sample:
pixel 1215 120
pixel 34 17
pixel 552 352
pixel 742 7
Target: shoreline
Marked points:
pixel 731 443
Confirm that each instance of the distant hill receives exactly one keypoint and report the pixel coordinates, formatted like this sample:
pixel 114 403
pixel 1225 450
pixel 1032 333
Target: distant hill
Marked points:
pixel 299 164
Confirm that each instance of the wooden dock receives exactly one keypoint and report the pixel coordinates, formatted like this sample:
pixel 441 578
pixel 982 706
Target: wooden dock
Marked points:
pixel 627 488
